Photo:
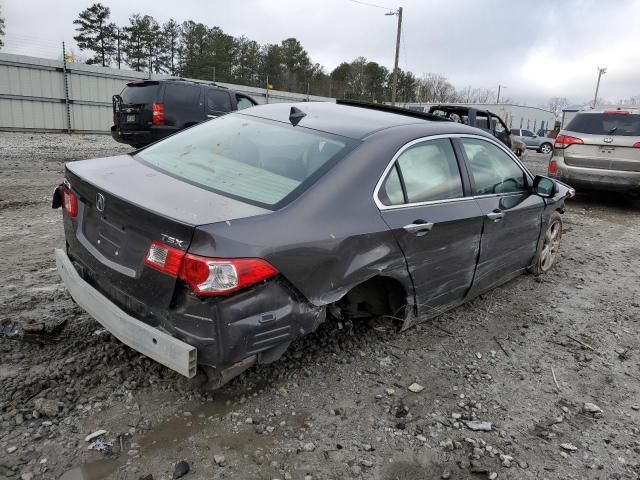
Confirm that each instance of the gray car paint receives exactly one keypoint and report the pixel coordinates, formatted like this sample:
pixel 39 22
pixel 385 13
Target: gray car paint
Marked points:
pixel 531 141
pixel 327 241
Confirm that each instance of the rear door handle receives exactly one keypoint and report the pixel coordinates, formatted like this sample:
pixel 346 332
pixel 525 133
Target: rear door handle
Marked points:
pixel 496 216
pixel 419 228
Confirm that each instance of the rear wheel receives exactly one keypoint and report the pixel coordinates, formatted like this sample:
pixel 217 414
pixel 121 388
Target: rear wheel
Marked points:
pixel 545 148
pixel 548 252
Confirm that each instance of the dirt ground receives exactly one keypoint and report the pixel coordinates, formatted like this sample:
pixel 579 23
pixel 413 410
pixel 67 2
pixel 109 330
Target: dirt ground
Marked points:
pixel 550 366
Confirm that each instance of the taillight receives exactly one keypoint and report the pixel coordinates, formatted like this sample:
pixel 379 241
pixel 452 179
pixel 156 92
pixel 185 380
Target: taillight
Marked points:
pixel 69 202
pixel 553 166
pixel 219 276
pixel 208 276
pixel 636 145
pixel 619 112
pixel 164 258
pixel 563 141
pixel 157 114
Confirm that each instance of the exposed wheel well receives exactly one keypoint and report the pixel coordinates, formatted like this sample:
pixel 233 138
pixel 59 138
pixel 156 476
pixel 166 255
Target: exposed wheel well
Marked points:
pixel 378 296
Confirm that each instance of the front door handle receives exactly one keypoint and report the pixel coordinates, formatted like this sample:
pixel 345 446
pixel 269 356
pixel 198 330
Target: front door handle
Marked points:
pixel 419 227
pixel 496 215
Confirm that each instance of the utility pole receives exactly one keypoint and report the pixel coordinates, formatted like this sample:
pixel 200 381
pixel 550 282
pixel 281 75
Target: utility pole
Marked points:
pixel 118 40
pixel 500 87
pixel 394 86
pixel 601 71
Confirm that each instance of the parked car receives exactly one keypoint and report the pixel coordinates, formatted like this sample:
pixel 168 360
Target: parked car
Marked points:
pixel 599 150
pixel 222 244
pixel 149 110
pixel 483 119
pixel 533 141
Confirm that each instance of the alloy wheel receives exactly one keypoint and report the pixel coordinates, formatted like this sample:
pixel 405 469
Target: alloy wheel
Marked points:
pixel 550 246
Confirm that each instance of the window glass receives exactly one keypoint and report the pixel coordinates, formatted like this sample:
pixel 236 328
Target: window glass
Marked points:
pixel 527 133
pixel 139 93
pixel 606 124
pixel 177 96
pixel 492 169
pixel 243 102
pixel 430 172
pixel 391 191
pixel 250 159
pixel 218 100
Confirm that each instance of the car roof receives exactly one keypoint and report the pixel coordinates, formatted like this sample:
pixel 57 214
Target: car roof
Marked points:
pixel 353 121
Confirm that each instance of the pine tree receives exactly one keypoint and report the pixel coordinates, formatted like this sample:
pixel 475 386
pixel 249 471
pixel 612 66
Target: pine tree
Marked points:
pixel 96 33
pixel 140 43
pixel 1 29
pixel 170 47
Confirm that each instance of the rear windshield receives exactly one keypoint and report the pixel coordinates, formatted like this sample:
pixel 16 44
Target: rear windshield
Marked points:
pixel 259 161
pixel 606 124
pixel 143 93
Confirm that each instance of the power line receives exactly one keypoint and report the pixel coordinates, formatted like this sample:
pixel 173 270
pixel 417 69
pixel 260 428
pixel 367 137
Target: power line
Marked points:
pixel 373 5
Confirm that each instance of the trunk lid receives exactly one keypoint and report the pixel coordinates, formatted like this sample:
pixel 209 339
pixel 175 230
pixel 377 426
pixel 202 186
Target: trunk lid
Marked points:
pixel 124 205
pixel 609 140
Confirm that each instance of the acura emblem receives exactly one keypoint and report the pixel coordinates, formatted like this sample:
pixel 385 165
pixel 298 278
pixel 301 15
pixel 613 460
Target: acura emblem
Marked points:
pixel 100 202
pixel 608 139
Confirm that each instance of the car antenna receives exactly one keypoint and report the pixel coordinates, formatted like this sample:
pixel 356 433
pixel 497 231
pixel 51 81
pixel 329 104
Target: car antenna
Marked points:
pixel 296 115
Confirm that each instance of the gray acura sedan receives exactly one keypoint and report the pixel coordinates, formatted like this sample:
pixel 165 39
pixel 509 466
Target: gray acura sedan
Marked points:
pixel 222 244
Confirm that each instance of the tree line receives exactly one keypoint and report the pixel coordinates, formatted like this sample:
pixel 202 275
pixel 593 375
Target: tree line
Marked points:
pixel 195 50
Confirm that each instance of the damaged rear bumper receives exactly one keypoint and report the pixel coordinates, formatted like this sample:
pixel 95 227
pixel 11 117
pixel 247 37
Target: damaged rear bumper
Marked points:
pixel 155 344
pixel 256 324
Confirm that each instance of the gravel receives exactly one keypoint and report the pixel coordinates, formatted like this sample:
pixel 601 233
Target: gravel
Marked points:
pixel 339 404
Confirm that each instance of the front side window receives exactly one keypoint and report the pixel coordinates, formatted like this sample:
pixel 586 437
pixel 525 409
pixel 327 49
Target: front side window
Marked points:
pixel 252 159
pixel 492 169
pixel 430 172
pixel 527 133
pixel 243 102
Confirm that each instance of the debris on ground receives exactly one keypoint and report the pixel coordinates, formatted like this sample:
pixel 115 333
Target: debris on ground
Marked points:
pixel 478 426
pixel 181 469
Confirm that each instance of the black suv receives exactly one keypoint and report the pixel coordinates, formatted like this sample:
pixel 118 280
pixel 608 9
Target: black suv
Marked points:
pixel 484 119
pixel 150 110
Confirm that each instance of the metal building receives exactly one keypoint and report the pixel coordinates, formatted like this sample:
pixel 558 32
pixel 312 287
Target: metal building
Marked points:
pixel 38 94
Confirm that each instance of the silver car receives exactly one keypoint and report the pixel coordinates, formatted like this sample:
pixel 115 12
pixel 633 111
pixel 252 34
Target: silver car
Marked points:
pixel 533 141
pixel 599 150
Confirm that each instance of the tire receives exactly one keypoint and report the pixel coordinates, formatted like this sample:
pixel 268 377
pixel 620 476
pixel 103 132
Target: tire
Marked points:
pixel 548 251
pixel 545 148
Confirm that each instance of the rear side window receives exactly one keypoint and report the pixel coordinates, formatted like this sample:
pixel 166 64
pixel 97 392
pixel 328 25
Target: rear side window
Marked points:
pixel 139 94
pixel 606 124
pixel 218 101
pixel 429 171
pixel 492 169
pixel 177 96
pixel 262 162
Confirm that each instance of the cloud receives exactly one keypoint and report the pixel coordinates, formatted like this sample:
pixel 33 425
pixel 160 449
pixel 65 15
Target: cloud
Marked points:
pixel 537 49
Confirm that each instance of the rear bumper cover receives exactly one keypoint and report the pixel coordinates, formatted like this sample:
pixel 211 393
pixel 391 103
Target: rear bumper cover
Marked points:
pixel 596 178
pixel 258 322
pixel 152 342
pixel 141 137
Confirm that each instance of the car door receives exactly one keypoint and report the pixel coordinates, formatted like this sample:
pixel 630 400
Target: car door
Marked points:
pixel 512 212
pixel 424 197
pixel 529 138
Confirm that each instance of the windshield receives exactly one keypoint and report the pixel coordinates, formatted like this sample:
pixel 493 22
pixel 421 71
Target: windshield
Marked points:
pixel 606 124
pixel 262 162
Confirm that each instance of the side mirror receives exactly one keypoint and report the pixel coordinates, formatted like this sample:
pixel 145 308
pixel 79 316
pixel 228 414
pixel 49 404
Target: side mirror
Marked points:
pixel 544 187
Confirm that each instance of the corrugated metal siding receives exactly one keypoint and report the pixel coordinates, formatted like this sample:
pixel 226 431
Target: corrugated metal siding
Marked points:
pixel 32 94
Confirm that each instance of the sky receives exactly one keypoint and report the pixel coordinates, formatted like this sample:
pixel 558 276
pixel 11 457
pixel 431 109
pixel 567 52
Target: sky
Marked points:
pixel 537 49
